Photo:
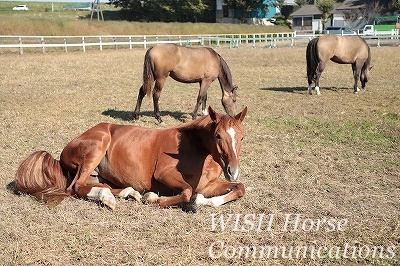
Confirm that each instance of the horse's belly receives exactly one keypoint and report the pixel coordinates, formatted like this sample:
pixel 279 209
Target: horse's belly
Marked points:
pixel 185 77
pixel 122 177
pixel 342 59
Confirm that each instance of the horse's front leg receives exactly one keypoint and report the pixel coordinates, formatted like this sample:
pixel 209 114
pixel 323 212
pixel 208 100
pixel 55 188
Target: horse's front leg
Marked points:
pixel 356 75
pixel 174 180
pixel 219 192
pixel 201 99
pixel 318 73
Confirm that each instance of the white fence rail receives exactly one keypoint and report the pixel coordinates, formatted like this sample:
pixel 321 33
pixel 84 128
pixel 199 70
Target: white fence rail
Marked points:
pixel 271 40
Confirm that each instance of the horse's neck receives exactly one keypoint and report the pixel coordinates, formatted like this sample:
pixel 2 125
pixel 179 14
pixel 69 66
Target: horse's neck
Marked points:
pixel 199 131
pixel 224 83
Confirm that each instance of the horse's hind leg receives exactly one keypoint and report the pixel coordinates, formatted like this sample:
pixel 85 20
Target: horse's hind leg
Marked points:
pixel 128 192
pixel 156 97
pixel 138 103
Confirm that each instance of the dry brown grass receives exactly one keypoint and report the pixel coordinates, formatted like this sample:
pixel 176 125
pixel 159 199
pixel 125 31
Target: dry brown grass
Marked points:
pixel 332 156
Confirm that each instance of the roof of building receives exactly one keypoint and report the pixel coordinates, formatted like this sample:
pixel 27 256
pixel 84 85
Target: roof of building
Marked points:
pixel 306 10
pixel 309 10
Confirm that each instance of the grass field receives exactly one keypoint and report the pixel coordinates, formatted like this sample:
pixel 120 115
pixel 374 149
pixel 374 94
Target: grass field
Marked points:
pixel 333 157
pixel 38 20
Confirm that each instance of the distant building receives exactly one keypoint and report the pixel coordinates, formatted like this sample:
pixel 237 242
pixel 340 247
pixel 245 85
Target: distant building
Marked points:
pixel 346 14
pixel 259 17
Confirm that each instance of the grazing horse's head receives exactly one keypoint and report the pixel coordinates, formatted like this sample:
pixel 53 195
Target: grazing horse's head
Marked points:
pixel 364 76
pixel 229 100
pixel 228 137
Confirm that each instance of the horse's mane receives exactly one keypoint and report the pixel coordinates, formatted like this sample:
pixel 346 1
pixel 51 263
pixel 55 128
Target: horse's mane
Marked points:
pixel 225 70
pixel 368 61
pixel 203 122
pixel 312 58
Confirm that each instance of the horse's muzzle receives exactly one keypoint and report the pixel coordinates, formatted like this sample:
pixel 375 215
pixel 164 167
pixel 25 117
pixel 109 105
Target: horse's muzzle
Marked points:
pixel 231 173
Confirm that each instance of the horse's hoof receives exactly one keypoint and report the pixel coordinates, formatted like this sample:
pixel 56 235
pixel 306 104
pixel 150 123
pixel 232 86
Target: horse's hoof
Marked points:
pixel 135 117
pixel 158 117
pixel 150 197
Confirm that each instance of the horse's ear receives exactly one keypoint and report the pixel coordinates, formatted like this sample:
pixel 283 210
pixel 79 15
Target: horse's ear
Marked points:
pixel 214 115
pixel 240 116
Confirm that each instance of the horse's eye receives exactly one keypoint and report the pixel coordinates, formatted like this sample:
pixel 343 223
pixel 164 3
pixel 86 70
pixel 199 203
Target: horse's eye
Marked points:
pixel 218 136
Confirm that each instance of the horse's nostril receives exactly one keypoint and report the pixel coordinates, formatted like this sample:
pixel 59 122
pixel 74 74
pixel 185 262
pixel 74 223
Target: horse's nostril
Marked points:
pixel 228 170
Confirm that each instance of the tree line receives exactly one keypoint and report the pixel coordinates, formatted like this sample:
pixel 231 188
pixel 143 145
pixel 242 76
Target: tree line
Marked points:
pixel 205 10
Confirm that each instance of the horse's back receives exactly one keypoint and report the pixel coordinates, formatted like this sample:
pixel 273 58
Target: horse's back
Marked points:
pixel 185 64
pixel 342 49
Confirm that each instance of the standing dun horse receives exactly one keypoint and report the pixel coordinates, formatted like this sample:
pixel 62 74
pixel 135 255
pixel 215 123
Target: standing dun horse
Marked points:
pixel 339 49
pixel 181 164
pixel 186 65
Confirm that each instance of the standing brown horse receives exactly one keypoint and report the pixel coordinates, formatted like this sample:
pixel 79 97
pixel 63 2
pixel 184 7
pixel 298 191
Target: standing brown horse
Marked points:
pixel 180 163
pixel 186 65
pixel 339 49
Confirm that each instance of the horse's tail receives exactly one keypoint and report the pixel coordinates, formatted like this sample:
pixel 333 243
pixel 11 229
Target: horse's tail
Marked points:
pixel 312 59
pixel 148 75
pixel 42 176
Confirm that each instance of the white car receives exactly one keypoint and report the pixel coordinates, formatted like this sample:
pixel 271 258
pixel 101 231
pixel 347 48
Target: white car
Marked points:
pixel 21 7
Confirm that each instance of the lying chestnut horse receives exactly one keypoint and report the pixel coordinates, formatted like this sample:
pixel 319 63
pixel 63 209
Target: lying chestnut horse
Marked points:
pixel 180 164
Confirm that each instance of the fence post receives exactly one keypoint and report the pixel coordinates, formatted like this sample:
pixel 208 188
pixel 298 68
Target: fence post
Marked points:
pixel 130 42
pixel 42 42
pixel 21 50
pixel 100 44
pixel 65 45
pixel 144 42
pixel 83 44
pixel 115 43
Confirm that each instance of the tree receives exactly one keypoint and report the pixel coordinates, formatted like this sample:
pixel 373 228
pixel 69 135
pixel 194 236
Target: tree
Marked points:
pixel 326 7
pixel 194 8
pixel 301 2
pixel 282 16
pixel 244 7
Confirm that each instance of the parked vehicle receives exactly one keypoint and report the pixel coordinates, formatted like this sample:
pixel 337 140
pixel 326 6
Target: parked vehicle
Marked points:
pixel 339 31
pixel 368 30
pixel 21 7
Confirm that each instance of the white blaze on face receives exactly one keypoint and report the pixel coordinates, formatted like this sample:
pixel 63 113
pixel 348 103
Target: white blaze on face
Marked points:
pixel 232 133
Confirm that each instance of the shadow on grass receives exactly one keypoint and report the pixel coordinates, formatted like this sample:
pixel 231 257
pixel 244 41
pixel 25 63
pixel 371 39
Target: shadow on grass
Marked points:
pixel 11 188
pixel 285 89
pixel 128 115
pixel 301 89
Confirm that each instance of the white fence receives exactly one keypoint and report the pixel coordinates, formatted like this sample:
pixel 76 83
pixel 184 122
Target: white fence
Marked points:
pixel 66 43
